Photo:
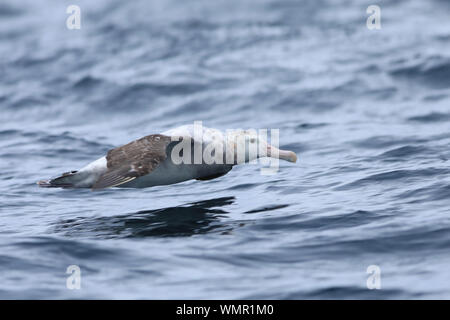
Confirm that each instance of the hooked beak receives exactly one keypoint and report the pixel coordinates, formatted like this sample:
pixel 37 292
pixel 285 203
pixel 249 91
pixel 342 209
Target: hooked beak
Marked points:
pixel 281 154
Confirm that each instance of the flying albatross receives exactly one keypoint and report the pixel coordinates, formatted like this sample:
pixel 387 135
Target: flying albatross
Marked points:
pixel 171 157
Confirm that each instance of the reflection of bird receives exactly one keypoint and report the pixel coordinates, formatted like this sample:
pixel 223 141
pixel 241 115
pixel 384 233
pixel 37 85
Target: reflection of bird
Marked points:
pixel 180 221
pixel 180 154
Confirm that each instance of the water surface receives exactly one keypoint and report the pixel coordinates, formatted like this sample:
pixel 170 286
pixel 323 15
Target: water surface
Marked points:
pixel 366 111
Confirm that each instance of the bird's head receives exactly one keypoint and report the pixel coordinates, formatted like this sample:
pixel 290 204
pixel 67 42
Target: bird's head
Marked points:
pixel 248 145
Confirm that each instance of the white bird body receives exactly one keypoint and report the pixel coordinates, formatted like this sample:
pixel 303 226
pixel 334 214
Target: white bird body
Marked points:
pixel 152 160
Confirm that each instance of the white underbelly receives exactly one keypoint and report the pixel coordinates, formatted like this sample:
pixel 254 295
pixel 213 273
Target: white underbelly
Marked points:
pixel 169 173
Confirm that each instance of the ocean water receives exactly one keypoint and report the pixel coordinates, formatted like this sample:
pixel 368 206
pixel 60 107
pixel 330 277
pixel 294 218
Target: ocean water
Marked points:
pixel 367 112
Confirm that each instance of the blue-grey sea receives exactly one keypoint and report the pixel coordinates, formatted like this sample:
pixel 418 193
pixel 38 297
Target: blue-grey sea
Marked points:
pixel 366 111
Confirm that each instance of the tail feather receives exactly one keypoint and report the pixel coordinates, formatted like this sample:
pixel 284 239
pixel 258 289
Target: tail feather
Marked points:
pixel 63 181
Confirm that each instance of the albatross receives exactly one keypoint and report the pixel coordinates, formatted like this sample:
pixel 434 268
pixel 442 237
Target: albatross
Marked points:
pixel 171 157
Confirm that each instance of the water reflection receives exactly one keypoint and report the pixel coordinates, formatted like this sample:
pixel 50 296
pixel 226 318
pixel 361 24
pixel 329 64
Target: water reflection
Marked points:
pixel 186 220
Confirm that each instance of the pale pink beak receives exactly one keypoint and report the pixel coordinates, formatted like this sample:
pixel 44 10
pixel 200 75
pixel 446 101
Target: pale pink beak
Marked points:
pixel 281 154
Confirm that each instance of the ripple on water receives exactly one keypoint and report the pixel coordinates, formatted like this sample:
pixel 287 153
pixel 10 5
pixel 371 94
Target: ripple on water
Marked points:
pixel 431 117
pixel 404 152
pixel 393 176
pixel 433 72
pixel 268 208
pixel 432 192
pixel 386 141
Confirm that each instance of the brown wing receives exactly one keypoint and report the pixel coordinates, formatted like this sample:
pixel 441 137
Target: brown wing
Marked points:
pixel 133 160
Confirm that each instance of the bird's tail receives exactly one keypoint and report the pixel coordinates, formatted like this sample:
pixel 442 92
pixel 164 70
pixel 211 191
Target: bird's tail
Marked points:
pixel 64 181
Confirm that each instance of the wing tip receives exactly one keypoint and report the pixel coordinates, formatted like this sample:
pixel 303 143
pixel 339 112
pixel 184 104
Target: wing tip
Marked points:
pixel 105 182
